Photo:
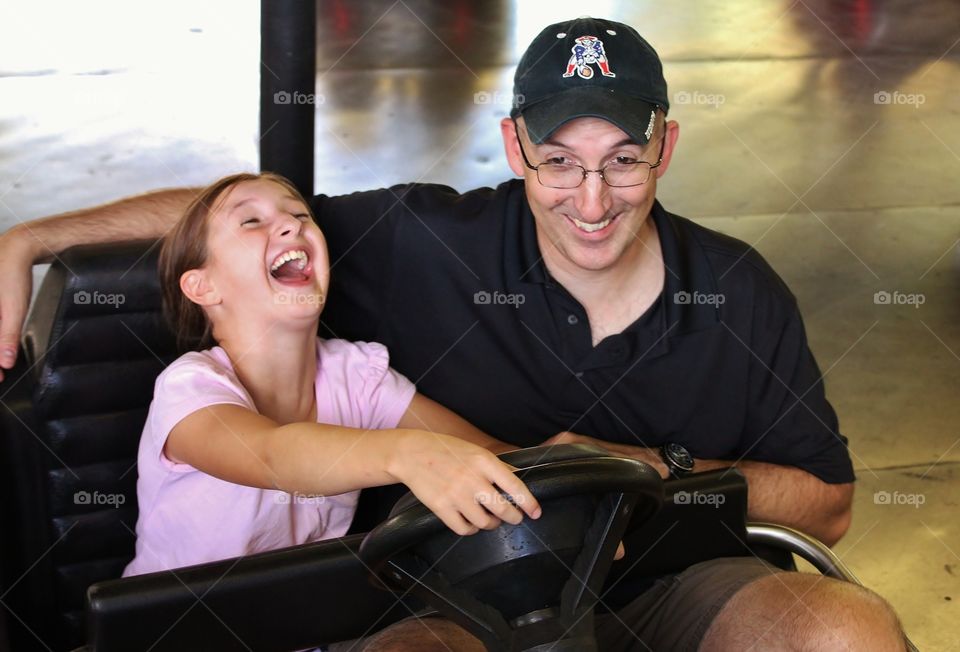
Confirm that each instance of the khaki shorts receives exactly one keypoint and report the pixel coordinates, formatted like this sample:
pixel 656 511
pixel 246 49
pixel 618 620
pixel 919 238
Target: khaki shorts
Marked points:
pixel 673 614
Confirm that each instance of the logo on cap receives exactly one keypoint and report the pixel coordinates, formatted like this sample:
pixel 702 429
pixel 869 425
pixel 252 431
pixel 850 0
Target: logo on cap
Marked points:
pixel 588 50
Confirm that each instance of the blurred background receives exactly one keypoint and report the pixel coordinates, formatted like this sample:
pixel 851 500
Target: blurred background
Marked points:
pixel 822 132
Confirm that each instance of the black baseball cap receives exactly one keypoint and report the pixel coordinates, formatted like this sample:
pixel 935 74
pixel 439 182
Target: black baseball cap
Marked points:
pixel 589 67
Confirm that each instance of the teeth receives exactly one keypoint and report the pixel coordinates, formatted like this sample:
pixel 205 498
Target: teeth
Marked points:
pixel 590 228
pixel 297 254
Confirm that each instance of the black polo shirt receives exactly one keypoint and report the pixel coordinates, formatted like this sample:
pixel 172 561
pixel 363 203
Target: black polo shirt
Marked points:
pixel 453 284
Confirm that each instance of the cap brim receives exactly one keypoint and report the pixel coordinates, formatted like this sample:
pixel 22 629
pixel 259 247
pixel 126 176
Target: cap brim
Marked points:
pixel 630 114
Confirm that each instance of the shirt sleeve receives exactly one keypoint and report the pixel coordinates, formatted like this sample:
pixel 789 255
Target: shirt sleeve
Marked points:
pixel 191 383
pixel 360 232
pixel 790 421
pixel 386 393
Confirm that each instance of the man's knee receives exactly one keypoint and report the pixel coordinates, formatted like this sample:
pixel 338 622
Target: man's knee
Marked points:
pixel 430 634
pixel 804 611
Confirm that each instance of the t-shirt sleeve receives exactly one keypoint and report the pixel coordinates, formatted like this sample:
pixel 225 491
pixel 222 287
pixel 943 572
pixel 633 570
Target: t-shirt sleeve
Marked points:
pixel 360 232
pixel 191 383
pixel 386 393
pixel 790 421
pixel 363 233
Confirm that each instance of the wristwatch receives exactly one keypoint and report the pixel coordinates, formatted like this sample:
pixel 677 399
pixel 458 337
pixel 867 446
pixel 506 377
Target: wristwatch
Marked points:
pixel 678 459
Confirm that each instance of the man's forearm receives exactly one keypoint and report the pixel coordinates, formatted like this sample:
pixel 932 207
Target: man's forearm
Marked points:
pixel 790 496
pixel 145 216
pixel 778 494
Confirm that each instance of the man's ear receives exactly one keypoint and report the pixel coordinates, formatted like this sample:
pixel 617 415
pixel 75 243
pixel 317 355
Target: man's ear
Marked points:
pixel 511 146
pixel 671 134
pixel 197 286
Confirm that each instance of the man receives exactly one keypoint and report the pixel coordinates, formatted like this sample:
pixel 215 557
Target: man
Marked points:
pixel 571 302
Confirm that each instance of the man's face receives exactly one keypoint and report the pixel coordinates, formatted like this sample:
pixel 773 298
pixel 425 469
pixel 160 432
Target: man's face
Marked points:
pixel 593 227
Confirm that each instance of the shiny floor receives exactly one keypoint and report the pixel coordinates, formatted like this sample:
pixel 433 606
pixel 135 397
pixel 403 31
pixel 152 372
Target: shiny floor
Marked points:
pixel 824 132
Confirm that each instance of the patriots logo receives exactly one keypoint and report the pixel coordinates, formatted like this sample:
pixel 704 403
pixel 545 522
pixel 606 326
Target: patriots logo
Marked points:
pixel 588 50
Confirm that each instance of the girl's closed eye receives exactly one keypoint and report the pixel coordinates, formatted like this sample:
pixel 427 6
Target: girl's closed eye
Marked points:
pixel 250 220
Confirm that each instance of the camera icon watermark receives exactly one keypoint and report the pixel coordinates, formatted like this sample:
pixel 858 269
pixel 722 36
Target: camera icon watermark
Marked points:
pixel 297 498
pixel 698 498
pixel 716 100
pixel 896 97
pixel 896 298
pixel 898 498
pixel 498 98
pixel 296 97
pixel 96 298
pixel 497 298
pixel 697 298
pixel 97 498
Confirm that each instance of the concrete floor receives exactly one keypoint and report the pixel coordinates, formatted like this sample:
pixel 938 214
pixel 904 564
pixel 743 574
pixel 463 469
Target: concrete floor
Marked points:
pixel 786 143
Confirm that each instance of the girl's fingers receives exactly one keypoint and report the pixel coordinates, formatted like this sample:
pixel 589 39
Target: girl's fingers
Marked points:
pixel 455 520
pixel 499 506
pixel 518 491
pixel 478 516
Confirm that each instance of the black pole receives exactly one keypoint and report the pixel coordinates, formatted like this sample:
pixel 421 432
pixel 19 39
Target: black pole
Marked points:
pixel 288 54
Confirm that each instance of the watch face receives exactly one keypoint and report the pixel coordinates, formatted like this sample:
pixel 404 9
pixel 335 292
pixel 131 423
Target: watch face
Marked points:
pixel 679 456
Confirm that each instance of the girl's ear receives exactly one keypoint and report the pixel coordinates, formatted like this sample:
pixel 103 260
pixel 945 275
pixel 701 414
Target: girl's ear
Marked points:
pixel 197 286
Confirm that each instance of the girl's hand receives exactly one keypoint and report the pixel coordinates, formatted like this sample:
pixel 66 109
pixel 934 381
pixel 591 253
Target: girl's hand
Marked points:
pixel 461 482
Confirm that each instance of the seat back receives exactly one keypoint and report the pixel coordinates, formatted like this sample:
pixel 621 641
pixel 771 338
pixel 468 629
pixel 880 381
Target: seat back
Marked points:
pixel 75 407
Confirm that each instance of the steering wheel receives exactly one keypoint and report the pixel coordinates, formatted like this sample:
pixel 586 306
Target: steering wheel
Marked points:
pixel 519 587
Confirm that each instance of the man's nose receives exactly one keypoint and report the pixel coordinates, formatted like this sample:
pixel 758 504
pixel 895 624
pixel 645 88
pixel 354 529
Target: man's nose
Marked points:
pixel 592 197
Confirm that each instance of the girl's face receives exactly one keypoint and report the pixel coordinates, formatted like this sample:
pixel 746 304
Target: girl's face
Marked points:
pixel 267 258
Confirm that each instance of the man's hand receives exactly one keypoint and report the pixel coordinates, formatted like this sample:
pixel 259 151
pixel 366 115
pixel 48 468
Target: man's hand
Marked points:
pixel 649 456
pixel 16 265
pixel 778 494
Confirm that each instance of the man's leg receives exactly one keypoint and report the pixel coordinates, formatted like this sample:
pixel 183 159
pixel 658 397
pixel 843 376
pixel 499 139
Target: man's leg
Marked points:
pixel 799 611
pixel 423 634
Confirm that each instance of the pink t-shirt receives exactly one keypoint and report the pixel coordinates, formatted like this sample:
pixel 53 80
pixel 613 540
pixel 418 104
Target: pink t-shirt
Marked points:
pixel 188 517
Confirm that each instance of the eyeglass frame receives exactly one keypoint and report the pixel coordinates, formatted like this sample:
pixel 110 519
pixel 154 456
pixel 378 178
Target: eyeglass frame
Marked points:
pixel 585 171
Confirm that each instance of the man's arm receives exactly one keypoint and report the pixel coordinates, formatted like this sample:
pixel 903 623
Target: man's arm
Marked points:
pixel 777 494
pixel 144 216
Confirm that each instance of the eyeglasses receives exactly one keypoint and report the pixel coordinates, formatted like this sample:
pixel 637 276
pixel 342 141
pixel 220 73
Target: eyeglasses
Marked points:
pixel 616 174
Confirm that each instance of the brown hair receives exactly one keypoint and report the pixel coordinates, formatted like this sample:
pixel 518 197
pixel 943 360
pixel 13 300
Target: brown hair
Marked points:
pixel 185 248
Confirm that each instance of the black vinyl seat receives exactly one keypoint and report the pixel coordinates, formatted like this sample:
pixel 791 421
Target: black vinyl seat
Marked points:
pixel 72 412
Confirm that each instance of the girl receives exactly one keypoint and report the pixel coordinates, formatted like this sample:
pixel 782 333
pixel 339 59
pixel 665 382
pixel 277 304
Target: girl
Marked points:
pixel 263 440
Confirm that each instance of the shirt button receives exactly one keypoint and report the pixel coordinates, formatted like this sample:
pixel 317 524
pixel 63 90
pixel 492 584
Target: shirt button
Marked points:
pixel 572 320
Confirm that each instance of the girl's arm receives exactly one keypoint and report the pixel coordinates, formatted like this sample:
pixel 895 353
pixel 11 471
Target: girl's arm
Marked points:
pixel 426 414
pixel 456 479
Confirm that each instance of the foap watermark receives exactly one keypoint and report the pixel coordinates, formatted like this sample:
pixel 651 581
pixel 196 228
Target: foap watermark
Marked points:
pixel 897 298
pixel 297 498
pixel 898 498
pixel 498 98
pixel 297 299
pixel 497 298
pixel 296 97
pixel 696 97
pixel 698 498
pixel 97 298
pixel 896 97
pixel 97 498
pixel 697 298
pixel 497 499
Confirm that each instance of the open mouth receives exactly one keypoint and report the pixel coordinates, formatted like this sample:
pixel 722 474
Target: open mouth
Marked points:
pixel 588 227
pixel 291 266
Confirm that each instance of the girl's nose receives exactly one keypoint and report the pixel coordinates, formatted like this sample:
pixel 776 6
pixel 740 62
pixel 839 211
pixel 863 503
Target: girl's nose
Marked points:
pixel 290 225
